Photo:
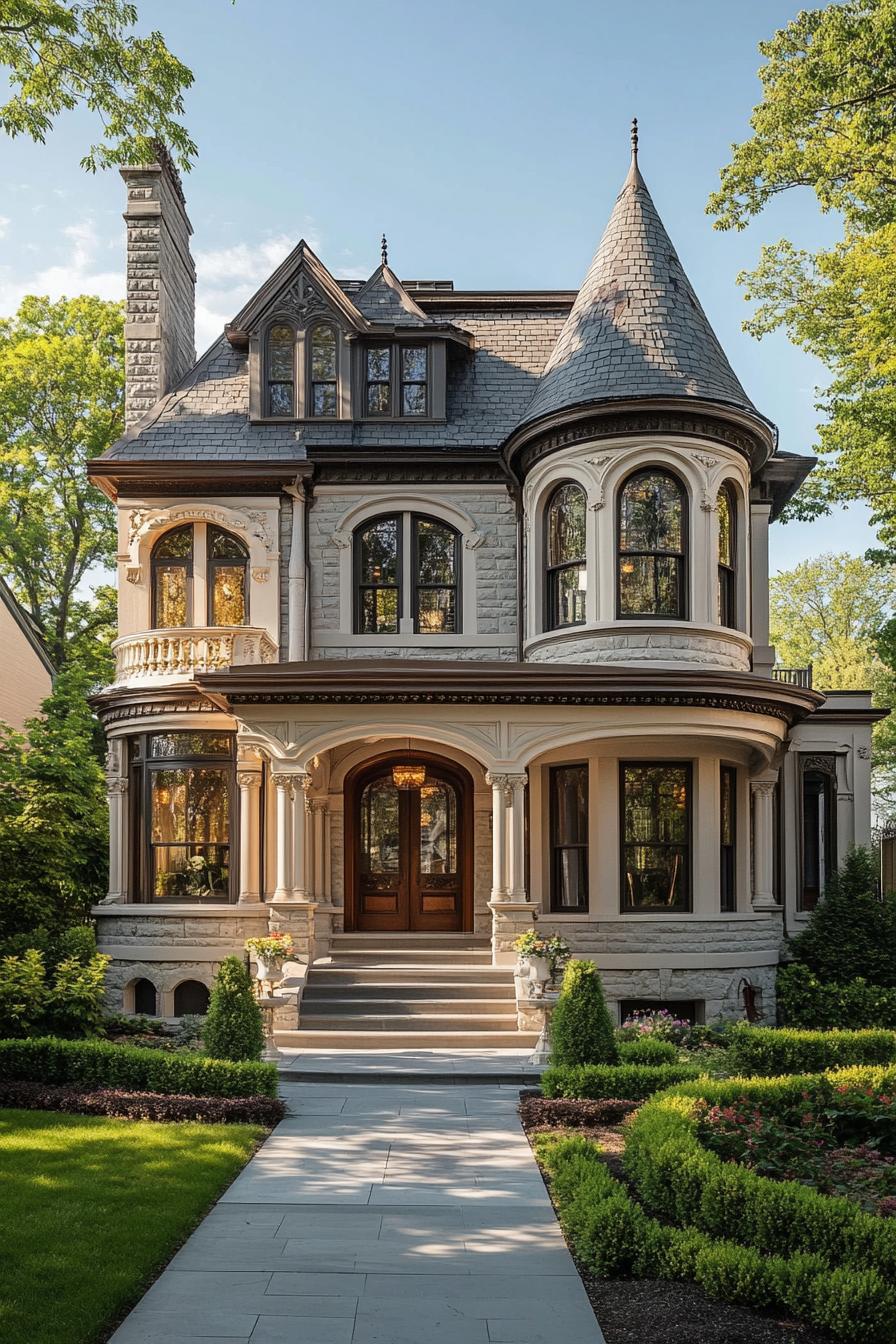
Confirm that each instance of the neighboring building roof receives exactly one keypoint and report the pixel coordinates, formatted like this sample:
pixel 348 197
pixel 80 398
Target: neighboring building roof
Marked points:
pixel 26 623
pixel 636 328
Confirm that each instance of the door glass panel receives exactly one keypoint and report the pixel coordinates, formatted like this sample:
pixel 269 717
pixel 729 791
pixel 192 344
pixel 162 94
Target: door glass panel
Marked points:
pixel 380 840
pixel 438 829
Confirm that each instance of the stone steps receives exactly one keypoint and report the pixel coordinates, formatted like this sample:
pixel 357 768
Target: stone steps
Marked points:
pixel 408 991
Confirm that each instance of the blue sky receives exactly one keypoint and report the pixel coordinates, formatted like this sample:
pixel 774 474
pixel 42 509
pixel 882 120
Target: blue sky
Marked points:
pixel 488 138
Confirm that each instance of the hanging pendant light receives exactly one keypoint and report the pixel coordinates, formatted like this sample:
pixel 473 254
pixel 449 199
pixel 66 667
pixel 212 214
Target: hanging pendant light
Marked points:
pixel 409 776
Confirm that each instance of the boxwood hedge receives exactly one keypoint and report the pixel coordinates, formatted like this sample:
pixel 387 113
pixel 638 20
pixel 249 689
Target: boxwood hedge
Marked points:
pixel 633 1082
pixel 777 1050
pixel 134 1068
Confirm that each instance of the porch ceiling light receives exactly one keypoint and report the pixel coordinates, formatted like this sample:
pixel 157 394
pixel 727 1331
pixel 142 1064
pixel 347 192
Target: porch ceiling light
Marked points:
pixel 409 776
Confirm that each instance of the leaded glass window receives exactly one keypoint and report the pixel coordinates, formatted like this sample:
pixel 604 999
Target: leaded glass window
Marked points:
pixel 281 356
pixel 324 379
pixel 435 577
pixel 379 380
pixel 185 780
pixel 567 574
pixel 652 547
pixel 172 571
pixel 380 828
pixel 727 838
pixel 569 837
pixel 656 836
pixel 438 828
pixel 727 580
pixel 413 380
pixel 378 563
pixel 818 841
pixel 228 565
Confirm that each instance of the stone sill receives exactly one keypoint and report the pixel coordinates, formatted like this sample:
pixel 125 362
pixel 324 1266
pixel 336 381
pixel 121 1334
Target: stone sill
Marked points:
pixel 687 916
pixel 254 909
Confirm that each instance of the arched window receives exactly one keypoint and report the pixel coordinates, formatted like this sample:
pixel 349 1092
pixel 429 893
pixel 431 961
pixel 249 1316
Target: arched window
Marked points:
pixel 727 583
pixel 172 571
pixel 323 372
pixel 228 566
pixel 652 547
pixel 281 353
pixel 191 997
pixel 567 575
pixel 407 553
pixel 145 998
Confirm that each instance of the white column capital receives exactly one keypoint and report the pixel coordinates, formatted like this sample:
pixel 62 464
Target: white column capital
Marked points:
pixel 248 779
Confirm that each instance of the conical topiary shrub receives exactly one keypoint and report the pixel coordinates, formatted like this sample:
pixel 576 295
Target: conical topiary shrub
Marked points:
pixel 581 1030
pixel 233 1027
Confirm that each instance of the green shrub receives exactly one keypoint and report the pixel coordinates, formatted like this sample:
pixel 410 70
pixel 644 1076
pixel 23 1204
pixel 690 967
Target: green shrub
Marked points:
pixel 777 1050
pixel 677 1178
pixel 647 1050
pixel 613 1236
pixel 233 1028
pixel 631 1082
pixel 23 992
pixel 805 1001
pixel 101 1064
pixel 76 996
pixel 581 1029
pixel 851 932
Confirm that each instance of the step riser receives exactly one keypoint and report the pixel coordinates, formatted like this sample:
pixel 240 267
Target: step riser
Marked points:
pixel 334 993
pixel 349 960
pixel 317 1003
pixel 396 975
pixel 443 942
pixel 406 1040
pixel 397 1022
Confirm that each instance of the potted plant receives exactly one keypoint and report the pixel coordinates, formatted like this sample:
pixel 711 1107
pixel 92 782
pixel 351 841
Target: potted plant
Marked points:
pixel 558 954
pixel 270 952
pixel 532 950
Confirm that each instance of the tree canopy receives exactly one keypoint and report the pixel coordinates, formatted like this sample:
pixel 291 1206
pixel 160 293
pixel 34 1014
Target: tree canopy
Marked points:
pixel 61 404
pixel 59 55
pixel 827 122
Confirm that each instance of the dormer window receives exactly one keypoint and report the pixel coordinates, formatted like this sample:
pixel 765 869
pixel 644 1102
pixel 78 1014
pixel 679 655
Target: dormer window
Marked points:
pixel 323 372
pixel 281 356
pixel 396 381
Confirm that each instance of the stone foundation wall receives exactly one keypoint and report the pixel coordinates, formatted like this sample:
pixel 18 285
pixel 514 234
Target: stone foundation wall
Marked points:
pixel 687 648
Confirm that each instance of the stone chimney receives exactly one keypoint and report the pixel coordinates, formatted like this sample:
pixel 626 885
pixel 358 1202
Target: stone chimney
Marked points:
pixel 159 330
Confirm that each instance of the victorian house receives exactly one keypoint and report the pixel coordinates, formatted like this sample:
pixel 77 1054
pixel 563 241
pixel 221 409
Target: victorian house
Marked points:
pixel 444 611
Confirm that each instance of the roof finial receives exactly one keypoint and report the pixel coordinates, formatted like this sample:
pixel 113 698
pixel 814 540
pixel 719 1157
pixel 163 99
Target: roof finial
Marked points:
pixel 384 250
pixel 634 139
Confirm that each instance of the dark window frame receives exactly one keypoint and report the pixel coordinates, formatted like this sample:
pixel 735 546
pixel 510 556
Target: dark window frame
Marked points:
pixel 681 556
pixel 553 572
pixel 728 849
pixel 222 562
pixel 824 767
pixel 142 1009
pixel 688 767
pixel 388 383
pixel 310 381
pixel 555 850
pixel 417 587
pixel 697 1008
pixel 403 382
pixel 157 562
pixel 142 766
pixel 190 1011
pixel 269 381
pixel 396 382
pixel 361 587
pixel 727 573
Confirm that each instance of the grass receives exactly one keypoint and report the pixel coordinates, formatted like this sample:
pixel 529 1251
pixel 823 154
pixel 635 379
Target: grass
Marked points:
pixel 92 1210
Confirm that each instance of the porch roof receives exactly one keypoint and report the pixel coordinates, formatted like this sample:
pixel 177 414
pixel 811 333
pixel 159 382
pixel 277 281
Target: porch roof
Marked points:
pixel 426 681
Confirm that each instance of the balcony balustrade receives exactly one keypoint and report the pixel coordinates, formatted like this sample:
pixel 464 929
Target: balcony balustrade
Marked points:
pixel 179 655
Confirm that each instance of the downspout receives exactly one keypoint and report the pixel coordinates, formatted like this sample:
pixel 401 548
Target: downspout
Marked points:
pixel 516 493
pixel 297 581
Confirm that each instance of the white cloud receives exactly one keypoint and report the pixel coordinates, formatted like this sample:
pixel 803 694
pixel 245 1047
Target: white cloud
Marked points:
pixel 4 225
pixel 243 263
pixel 77 273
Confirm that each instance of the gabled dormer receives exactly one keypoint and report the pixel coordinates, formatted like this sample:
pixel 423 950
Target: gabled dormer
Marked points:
pixel 322 351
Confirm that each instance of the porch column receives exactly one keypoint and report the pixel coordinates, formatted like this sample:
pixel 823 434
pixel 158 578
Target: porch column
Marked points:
pixel 301 782
pixel 249 782
pixel 318 810
pixel 516 786
pixel 763 794
pixel 283 786
pixel 499 788
pixel 116 791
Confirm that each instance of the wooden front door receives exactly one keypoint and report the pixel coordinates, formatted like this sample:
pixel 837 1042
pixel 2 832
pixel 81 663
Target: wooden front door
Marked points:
pixel 409 854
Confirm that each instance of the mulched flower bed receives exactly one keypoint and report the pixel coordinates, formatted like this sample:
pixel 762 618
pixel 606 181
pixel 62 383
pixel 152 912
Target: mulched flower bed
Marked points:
pixel 652 1311
pixel 141 1105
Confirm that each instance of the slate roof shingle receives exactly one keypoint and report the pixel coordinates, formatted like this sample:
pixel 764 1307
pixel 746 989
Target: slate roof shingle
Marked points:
pixel 636 328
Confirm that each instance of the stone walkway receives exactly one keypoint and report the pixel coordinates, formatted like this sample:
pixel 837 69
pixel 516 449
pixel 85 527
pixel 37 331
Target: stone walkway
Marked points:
pixel 377 1214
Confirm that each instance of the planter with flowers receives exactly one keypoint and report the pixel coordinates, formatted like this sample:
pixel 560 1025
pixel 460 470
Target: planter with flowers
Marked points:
pixel 541 956
pixel 270 952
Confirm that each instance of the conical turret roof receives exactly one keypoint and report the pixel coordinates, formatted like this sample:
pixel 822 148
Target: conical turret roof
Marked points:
pixel 636 329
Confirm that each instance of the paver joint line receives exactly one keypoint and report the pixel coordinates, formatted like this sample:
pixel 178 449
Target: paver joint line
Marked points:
pixel 379 1214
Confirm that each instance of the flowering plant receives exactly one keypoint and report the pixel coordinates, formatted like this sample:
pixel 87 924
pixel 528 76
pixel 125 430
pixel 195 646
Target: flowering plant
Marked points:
pixel 658 1022
pixel 270 946
pixel 551 946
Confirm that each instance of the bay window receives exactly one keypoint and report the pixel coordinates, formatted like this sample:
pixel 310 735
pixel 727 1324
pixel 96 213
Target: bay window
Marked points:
pixel 655 806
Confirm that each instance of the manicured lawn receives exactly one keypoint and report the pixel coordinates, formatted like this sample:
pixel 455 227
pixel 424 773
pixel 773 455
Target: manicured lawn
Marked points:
pixel 91 1208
